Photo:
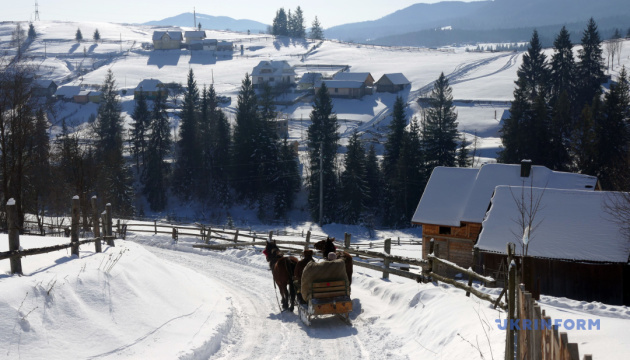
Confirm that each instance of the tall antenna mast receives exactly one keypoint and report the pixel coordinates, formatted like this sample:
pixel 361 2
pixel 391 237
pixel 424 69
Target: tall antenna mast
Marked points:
pixel 195 16
pixel 36 11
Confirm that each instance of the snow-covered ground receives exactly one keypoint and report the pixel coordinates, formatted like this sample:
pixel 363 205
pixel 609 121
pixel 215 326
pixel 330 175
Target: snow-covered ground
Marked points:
pixel 151 298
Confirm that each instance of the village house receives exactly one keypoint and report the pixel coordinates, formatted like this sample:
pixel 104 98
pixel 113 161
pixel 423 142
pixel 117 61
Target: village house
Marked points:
pixel 67 92
pixel 192 36
pixel 364 77
pixel 576 247
pixel 209 44
pixel 455 201
pixel 392 83
pixel 150 88
pixel 343 88
pixel 225 46
pixel 273 73
pixel 82 97
pixel 44 88
pixel 167 40
pixel 95 96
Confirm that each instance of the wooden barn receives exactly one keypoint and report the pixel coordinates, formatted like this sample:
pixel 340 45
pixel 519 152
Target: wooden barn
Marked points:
pixel 343 88
pixel 576 248
pixel 44 88
pixel 364 77
pixel 167 40
pixel 150 88
pixel 455 201
pixel 392 83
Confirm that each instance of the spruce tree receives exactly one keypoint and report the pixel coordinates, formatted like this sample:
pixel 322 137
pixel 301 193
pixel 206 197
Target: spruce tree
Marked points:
pixel 374 178
pixel 590 67
pixel 186 175
pixel 511 132
pixel 142 118
pixel 317 33
pixel 534 69
pixel 32 34
pixel 78 36
pixel 280 26
pixel 322 133
pixel 297 27
pixel 462 153
pixel 440 130
pixel 395 137
pixel 114 176
pixel 563 69
pixel 96 36
pixel 220 143
pixel 560 133
pixel 156 173
pixel 353 186
pixel 613 134
pixel 245 171
pixel 287 180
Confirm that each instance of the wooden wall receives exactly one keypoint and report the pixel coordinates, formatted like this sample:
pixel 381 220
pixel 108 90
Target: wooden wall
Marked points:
pixel 607 283
pixel 456 246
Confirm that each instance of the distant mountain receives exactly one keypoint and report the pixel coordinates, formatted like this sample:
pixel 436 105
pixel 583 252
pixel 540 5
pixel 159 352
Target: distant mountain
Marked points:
pixel 484 16
pixel 211 22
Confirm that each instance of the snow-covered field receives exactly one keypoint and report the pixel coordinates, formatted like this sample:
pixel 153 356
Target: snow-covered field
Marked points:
pixel 151 298
pixel 482 82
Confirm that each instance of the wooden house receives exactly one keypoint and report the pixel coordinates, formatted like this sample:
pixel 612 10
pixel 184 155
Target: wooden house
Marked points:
pixel 225 46
pixel 167 40
pixel 82 97
pixel 455 201
pixel 364 77
pixel 209 44
pixel 392 83
pixel 95 96
pixel 273 73
pixel 576 248
pixel 44 88
pixel 150 88
pixel 343 88
pixel 67 92
pixel 193 36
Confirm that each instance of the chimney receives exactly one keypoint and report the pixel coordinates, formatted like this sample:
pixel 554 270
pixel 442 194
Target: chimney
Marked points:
pixel 526 168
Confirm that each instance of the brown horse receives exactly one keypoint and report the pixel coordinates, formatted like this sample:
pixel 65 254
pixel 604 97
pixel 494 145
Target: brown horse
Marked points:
pixel 327 246
pixel 282 269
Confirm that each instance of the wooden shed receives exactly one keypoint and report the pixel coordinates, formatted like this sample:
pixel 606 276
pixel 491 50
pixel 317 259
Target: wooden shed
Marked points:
pixel 392 83
pixel 455 201
pixel 44 88
pixel 364 77
pixel 82 97
pixel 576 248
pixel 150 88
pixel 343 88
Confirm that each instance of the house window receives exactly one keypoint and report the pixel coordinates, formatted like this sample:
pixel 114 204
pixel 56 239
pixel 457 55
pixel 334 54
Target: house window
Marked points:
pixel 445 230
pixel 336 90
pixel 260 80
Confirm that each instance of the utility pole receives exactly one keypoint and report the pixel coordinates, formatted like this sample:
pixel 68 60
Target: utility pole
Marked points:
pixel 195 17
pixel 36 11
pixel 321 183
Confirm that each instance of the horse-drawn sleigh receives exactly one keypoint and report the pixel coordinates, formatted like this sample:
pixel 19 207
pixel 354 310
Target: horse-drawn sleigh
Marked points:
pixel 322 288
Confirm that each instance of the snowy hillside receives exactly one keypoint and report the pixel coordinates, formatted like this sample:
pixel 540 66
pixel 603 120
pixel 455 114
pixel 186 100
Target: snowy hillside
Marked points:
pixel 482 82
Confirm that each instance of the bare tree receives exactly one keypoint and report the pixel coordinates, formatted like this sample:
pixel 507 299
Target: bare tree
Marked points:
pixel 17 38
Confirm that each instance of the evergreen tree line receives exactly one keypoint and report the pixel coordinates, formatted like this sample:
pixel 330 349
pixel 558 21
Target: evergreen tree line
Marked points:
pixel 366 191
pixel 499 48
pixel 290 24
pixel 560 116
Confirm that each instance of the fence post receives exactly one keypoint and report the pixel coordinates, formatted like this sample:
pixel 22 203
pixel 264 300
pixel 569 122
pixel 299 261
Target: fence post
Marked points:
pixel 110 237
pixel 208 234
pixel 470 279
pixel 388 250
pixel 271 236
pixel 95 226
pixel 154 227
pixel 175 233
pixel 399 241
pixel 104 223
pixel 308 240
pixel 427 271
pixel 118 227
pixel 14 237
pixel 236 236
pixel 509 348
pixel 74 229
pixel 346 240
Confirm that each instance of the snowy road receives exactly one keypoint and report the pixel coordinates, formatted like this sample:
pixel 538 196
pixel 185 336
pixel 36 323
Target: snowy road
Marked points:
pixel 258 329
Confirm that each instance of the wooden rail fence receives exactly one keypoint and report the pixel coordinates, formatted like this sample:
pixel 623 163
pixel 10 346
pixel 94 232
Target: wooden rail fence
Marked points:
pixel 15 255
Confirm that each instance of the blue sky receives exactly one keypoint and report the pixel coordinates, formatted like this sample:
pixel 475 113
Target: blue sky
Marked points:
pixel 329 13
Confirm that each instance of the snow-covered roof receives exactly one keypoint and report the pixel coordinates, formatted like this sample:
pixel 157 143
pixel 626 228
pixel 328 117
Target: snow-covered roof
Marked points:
pixel 45 84
pixel 569 225
pixel 67 91
pixel 149 85
pixel 456 195
pixel 396 79
pixel 83 93
pixel 195 34
pixel 271 67
pixel 350 76
pixel 174 35
pixel 310 78
pixel 340 84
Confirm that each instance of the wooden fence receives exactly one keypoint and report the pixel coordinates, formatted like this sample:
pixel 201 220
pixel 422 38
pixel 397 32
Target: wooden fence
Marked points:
pixel 541 342
pixel 15 255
